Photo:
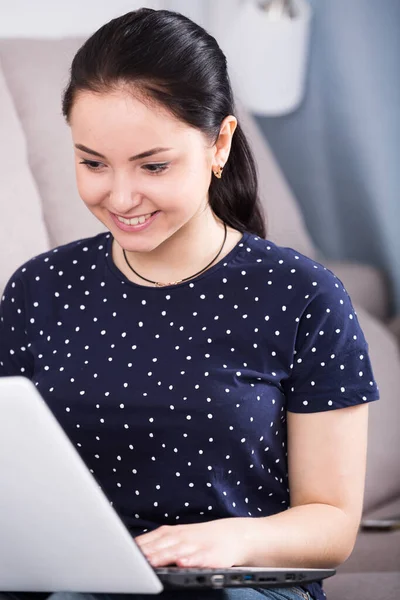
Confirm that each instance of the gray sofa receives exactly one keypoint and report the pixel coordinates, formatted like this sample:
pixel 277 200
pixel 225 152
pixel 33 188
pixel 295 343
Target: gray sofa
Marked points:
pixel 40 209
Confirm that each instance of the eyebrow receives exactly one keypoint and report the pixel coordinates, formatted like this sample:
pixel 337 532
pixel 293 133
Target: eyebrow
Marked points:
pixel 136 157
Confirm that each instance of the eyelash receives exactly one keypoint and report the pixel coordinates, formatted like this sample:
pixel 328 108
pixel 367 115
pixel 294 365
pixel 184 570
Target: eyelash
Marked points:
pixel 93 165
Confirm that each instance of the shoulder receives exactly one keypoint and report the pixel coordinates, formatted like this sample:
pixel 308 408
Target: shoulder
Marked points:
pixel 311 293
pixel 285 269
pixel 83 249
pixel 57 261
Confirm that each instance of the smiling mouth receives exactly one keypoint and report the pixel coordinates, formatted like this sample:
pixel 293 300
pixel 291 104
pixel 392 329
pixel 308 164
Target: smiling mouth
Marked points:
pixel 135 220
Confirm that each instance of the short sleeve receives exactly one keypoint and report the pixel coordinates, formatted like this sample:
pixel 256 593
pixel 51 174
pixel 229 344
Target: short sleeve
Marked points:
pixel 15 356
pixel 331 366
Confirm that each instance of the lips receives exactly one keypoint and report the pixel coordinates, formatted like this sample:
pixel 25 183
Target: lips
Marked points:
pixel 135 220
pixel 134 224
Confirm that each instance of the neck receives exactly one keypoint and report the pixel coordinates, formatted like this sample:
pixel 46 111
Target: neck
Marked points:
pixel 182 255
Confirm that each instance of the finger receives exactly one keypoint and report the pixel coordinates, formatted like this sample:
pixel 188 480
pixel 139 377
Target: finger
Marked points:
pixel 159 545
pixel 153 536
pixel 170 556
pixel 195 559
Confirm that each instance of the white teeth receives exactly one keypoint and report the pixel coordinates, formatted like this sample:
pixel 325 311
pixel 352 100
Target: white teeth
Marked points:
pixel 135 221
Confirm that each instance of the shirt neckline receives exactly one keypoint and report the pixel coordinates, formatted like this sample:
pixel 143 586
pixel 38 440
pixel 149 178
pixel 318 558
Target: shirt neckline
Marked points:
pixel 218 265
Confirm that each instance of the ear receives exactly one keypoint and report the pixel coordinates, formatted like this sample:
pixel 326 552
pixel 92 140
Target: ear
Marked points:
pixel 224 141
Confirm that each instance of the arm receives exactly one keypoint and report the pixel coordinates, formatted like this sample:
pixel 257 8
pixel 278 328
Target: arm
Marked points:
pixel 15 355
pixel 327 460
pixel 327 420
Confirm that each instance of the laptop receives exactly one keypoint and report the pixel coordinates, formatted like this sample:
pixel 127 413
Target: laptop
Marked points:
pixel 59 532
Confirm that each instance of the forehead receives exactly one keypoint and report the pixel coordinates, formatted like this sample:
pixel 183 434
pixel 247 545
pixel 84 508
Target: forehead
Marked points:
pixel 113 114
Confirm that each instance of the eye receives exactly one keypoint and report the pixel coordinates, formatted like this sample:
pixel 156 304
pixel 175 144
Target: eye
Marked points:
pixel 92 165
pixel 156 168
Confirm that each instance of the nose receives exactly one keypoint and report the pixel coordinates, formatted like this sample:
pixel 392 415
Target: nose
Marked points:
pixel 123 196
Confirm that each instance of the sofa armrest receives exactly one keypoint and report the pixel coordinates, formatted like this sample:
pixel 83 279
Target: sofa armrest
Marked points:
pixel 384 585
pixel 394 326
pixel 376 550
pixel 367 286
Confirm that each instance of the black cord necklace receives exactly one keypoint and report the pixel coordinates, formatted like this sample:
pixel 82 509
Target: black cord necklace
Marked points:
pixel 158 284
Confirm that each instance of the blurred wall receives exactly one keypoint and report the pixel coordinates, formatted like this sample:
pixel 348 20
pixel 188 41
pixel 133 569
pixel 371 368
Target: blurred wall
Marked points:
pixel 57 18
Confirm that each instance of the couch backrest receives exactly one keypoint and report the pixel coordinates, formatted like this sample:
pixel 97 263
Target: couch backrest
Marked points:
pixel 23 231
pixel 40 206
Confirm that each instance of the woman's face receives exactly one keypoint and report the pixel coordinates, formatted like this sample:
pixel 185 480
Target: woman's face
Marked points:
pixel 142 173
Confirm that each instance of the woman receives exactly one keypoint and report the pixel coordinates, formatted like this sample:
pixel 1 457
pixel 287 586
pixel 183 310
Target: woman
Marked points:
pixel 216 384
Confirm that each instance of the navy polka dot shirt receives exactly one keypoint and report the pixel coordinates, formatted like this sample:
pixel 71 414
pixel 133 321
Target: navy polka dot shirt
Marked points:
pixel 176 397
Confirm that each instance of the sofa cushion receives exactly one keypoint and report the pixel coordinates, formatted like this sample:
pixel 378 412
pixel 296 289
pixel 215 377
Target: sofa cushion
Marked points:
pixel 285 222
pixel 36 72
pixel 36 85
pixel 376 550
pixel 383 471
pixel 367 286
pixel 22 229
pixel 363 586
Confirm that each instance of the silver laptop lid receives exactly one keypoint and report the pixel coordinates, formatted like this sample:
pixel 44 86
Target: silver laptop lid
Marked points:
pixel 57 529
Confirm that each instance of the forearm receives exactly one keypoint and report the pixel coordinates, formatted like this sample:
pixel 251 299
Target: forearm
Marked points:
pixel 313 535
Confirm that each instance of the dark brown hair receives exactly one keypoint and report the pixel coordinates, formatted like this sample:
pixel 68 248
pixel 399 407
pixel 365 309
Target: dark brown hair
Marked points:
pixel 173 61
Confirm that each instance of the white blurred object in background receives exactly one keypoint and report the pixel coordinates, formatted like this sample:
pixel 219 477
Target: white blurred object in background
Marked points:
pixel 266 46
pixel 277 9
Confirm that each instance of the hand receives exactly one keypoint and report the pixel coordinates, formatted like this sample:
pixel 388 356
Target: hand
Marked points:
pixel 216 544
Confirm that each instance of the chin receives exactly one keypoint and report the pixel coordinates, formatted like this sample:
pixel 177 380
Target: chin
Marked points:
pixel 144 246
pixel 137 243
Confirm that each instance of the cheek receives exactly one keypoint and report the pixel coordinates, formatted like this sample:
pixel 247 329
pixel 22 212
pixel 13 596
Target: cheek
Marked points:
pixel 193 184
pixel 92 187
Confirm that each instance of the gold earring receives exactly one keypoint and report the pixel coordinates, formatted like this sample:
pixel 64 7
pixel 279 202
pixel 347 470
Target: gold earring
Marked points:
pixel 218 173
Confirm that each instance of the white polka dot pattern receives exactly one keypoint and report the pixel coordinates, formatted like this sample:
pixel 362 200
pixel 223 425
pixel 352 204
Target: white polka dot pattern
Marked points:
pixel 176 397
